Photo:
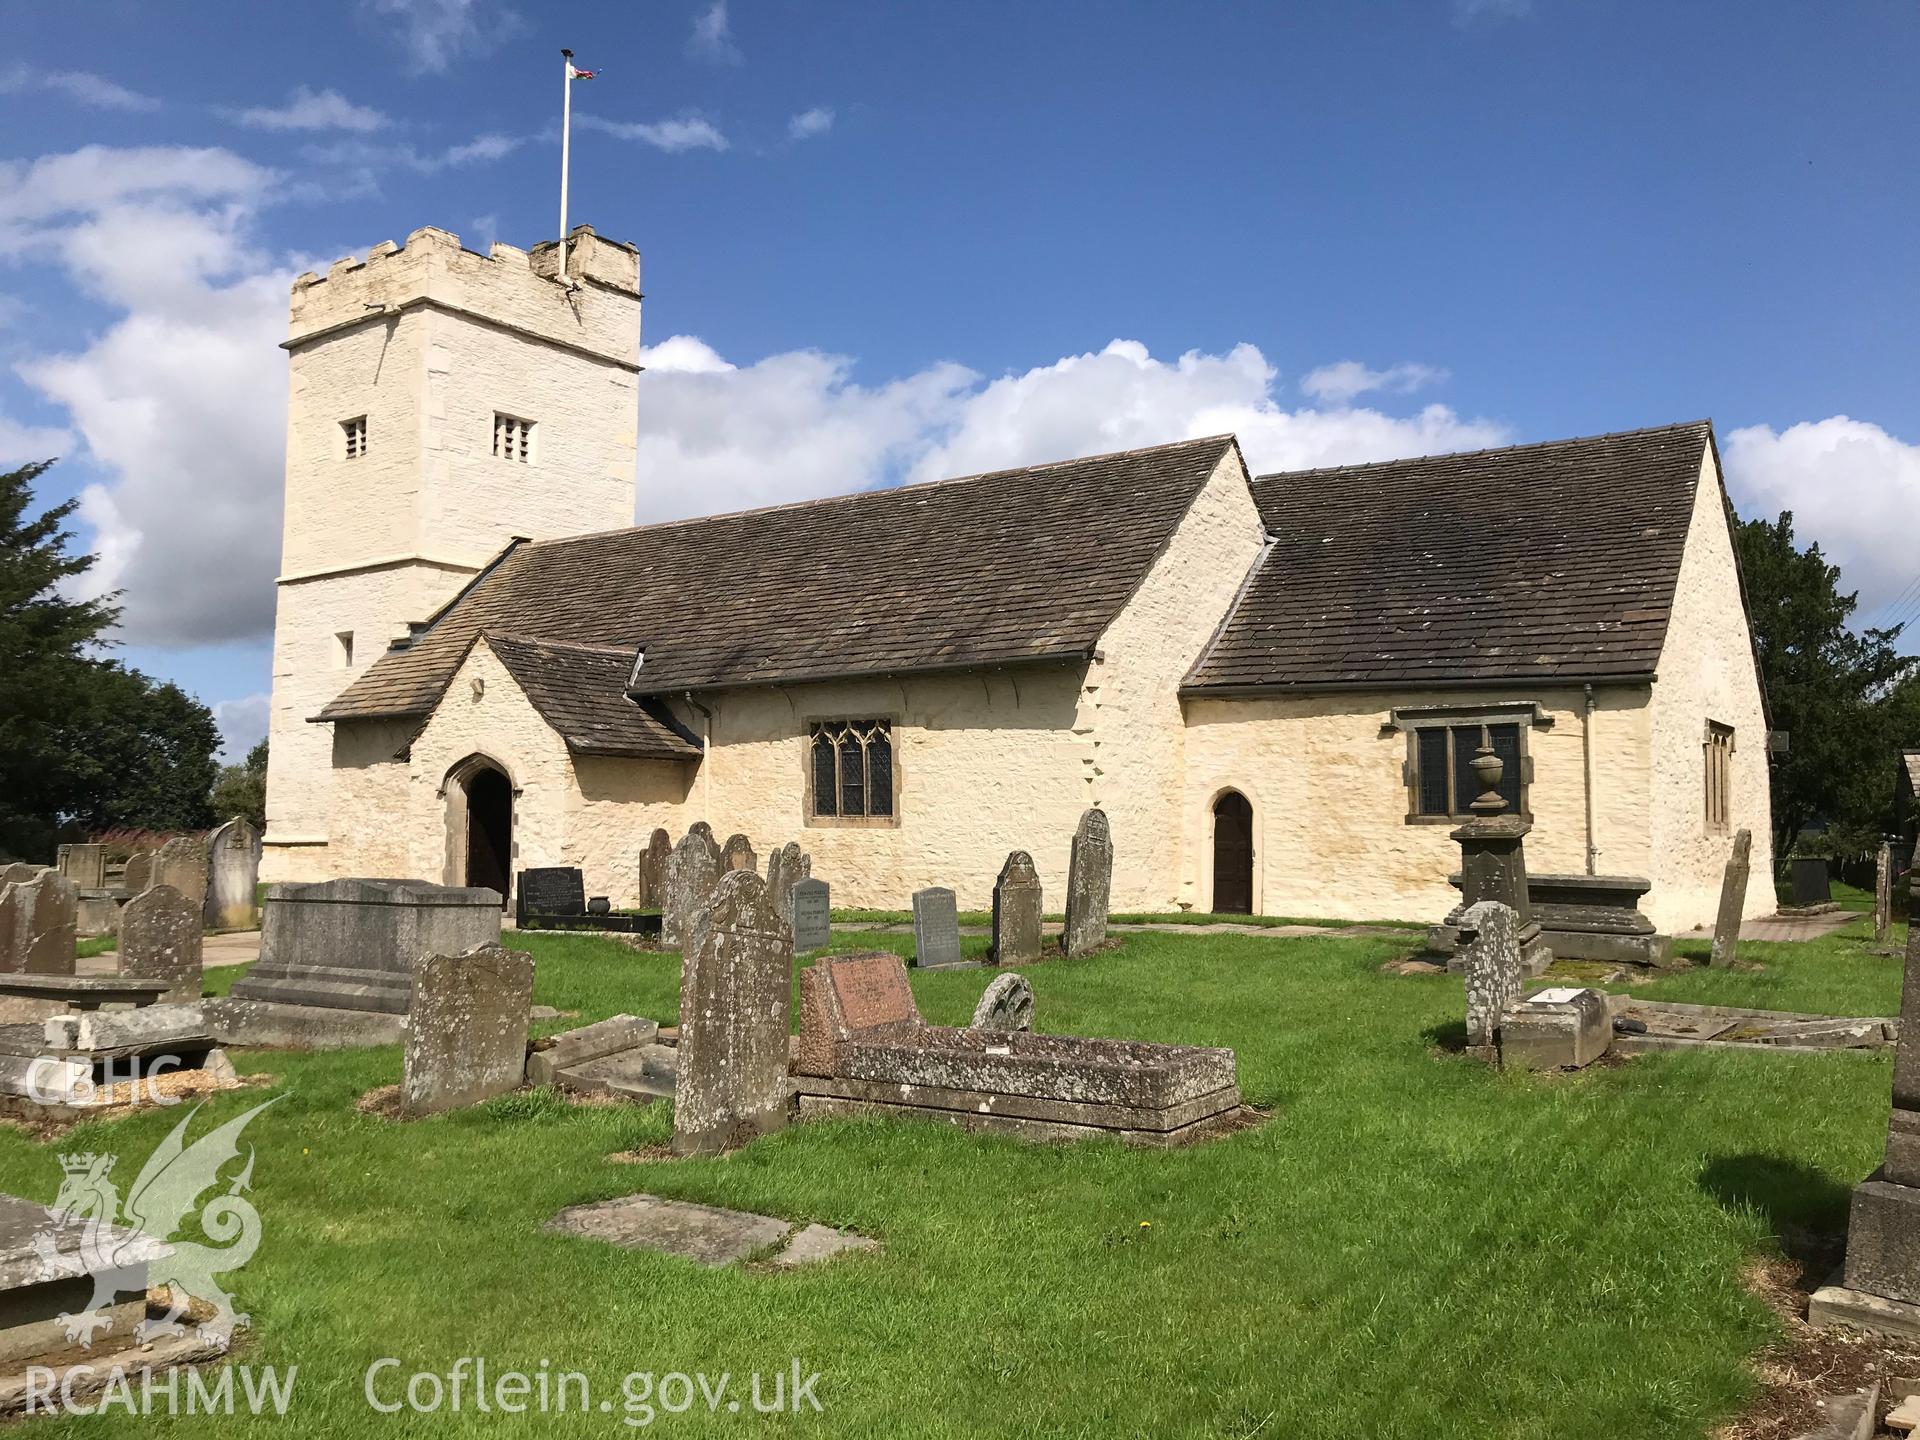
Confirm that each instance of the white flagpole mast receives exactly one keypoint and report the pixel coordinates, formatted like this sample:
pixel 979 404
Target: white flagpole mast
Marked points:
pixel 566 140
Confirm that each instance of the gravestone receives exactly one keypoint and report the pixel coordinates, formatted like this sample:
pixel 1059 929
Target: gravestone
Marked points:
pixel 352 944
pixel 1883 894
pixel 653 869
pixel 693 869
pixel 138 874
pixel 13 933
pixel 233 876
pixel 1089 884
pixel 467 1031
pixel 1493 859
pixel 736 987
pixel 936 928
pixel 182 863
pixel 1494 970
pixel 737 854
pixel 1007 1004
pixel 550 890
pixel 1016 912
pixel 1565 1027
pixel 19 872
pixel 44 924
pixel 84 865
pixel 812 916
pixel 1733 901
pixel 160 940
pixel 787 866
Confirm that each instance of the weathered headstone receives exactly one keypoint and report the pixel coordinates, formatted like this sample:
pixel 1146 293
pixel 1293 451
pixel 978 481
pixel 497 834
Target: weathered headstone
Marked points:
pixel 737 854
pixel 1561 1028
pixel 160 940
pixel 19 872
pixel 44 924
pixel 1007 1004
pixel 936 928
pixel 1493 973
pixel 13 933
pixel 1883 894
pixel 182 863
pixel 1493 859
pixel 467 1032
pixel 138 874
pixel 653 869
pixel 84 865
pixel 787 866
pixel 1016 912
pixel 233 876
pixel 736 987
pixel 812 916
pixel 692 871
pixel 1089 884
pixel 1733 901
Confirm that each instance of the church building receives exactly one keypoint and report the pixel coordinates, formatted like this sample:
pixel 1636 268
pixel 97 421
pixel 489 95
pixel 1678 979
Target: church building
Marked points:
pixel 1272 685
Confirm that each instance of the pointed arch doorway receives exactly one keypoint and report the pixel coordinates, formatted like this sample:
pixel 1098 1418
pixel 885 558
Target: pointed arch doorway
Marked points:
pixel 1232 854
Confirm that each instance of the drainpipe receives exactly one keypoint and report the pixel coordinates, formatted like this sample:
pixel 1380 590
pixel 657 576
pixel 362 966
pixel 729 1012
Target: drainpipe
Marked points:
pixel 706 746
pixel 1586 757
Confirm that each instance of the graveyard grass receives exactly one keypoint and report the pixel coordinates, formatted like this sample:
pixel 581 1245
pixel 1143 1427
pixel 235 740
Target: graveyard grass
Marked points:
pixel 1411 1246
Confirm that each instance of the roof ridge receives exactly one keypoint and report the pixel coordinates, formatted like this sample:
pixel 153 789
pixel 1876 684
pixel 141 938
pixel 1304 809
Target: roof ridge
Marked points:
pixel 1225 437
pixel 1488 450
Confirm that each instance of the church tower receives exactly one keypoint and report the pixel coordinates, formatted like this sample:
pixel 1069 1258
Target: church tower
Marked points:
pixel 442 403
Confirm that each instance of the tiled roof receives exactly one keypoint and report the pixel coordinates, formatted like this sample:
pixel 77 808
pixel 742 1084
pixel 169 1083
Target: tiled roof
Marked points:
pixel 1018 565
pixel 1530 563
pixel 580 691
pixel 1911 759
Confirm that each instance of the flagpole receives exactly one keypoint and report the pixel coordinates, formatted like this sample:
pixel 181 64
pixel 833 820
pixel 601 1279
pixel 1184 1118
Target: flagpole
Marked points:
pixel 566 140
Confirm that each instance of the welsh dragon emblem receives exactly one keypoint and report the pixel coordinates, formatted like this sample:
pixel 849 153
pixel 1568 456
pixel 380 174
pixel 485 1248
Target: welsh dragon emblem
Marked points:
pixel 163 1196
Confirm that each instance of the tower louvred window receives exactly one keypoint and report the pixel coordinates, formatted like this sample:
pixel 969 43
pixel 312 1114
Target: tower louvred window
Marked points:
pixel 512 438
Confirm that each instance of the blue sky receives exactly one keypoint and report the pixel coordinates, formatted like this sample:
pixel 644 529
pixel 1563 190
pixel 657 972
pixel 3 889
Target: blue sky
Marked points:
pixel 885 241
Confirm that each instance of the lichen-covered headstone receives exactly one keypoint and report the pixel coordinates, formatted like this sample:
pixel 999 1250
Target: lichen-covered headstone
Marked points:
pixel 19 873
pixel 160 940
pixel 182 863
pixel 787 866
pixel 1733 901
pixel 736 989
pixel 49 907
pixel 1883 894
pixel 467 1031
pixel 1016 911
pixel 1007 1004
pixel 1493 972
pixel 138 874
pixel 84 865
pixel 653 868
pixel 1089 885
pixel 13 934
pixel 737 854
pixel 936 928
pixel 233 875
pixel 812 907
pixel 692 871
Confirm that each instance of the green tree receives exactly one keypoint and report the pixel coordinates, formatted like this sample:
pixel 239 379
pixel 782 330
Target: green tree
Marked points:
pixel 1842 695
pixel 43 639
pixel 139 753
pixel 242 789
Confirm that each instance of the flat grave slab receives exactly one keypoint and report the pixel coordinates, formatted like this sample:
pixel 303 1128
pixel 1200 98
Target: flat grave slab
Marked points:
pixel 35 1292
pixel 704 1234
pixel 1670 1025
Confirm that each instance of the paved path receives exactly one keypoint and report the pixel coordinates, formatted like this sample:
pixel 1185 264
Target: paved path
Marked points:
pixel 236 947
pixel 1166 927
pixel 1788 927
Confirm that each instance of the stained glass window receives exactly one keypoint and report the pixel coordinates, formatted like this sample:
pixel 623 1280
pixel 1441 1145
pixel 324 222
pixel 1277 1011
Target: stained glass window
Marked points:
pixel 851 772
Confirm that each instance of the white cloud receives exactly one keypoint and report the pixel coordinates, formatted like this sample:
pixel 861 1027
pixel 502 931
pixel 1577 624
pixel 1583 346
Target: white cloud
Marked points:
pixel 712 37
pixel 686 133
pixel 20 444
pixel 810 123
pixel 1340 382
pixel 80 85
pixel 1850 485
pixel 243 724
pixel 435 33
pixel 715 436
pixel 180 400
pixel 313 110
pixel 365 162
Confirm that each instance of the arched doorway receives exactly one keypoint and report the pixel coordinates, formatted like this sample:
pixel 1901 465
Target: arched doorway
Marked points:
pixel 1232 854
pixel 490 831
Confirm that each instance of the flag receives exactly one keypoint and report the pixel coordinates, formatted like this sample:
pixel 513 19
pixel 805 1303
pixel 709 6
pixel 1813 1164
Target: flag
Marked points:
pixel 573 74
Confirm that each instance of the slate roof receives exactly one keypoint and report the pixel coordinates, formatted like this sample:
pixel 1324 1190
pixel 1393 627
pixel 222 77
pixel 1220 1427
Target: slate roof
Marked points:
pixel 1911 760
pixel 1541 562
pixel 1019 565
pixel 580 690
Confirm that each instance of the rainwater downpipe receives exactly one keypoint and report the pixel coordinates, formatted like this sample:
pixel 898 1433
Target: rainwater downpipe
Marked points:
pixel 1586 758
pixel 706 745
